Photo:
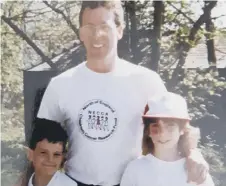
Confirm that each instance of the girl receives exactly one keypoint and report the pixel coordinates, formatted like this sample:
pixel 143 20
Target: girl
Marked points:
pixel 165 144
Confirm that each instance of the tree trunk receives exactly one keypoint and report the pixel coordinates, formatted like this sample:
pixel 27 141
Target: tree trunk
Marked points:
pixel 124 43
pixel 127 25
pixel 156 37
pixel 179 72
pixel 210 39
pixel 133 27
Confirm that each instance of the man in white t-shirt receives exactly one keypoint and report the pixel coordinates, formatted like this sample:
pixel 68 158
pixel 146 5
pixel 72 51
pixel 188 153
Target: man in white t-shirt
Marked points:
pixel 102 101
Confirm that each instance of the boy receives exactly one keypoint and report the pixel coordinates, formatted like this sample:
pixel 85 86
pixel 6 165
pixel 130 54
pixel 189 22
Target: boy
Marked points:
pixel 46 152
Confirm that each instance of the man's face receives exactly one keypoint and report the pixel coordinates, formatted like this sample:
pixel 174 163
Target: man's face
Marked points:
pixel 46 157
pixel 99 33
pixel 165 133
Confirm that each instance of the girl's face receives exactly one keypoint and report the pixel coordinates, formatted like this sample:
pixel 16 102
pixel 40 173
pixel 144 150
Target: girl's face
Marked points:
pixel 165 133
pixel 46 157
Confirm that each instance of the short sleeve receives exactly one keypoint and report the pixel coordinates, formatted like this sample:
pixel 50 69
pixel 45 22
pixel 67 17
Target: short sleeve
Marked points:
pixel 50 108
pixel 154 84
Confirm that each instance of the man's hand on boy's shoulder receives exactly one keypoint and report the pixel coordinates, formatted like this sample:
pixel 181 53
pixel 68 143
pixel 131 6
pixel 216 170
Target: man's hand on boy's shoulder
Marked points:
pixel 197 167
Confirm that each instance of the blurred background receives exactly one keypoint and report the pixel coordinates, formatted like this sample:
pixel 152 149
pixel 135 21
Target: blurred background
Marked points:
pixel 184 41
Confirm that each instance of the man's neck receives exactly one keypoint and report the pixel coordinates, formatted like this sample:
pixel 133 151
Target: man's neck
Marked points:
pixel 167 154
pixel 41 180
pixel 102 66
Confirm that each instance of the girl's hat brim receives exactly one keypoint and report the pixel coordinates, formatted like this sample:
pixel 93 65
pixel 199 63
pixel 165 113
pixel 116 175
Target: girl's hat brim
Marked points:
pixel 164 116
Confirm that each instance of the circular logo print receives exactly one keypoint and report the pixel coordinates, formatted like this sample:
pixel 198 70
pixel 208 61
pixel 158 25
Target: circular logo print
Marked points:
pixel 97 120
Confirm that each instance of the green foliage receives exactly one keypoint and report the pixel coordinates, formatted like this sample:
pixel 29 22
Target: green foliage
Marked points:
pixel 203 90
pixel 199 87
pixel 12 59
pixel 216 163
pixel 11 96
pixel 48 29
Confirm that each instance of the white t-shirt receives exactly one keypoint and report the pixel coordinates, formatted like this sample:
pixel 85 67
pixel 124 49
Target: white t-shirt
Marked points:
pixel 58 179
pixel 103 117
pixel 151 171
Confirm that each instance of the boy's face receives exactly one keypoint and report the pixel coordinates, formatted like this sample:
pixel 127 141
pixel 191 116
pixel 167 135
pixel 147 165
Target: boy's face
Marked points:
pixel 99 32
pixel 165 133
pixel 46 157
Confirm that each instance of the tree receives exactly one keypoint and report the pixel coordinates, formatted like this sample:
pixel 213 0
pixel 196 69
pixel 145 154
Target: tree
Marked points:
pixel 210 37
pixel 186 44
pixel 131 5
pixel 29 41
pixel 156 37
pixel 12 64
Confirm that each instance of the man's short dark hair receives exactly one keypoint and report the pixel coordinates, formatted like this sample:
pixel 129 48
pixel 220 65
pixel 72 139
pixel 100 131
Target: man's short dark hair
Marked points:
pixel 116 6
pixel 49 130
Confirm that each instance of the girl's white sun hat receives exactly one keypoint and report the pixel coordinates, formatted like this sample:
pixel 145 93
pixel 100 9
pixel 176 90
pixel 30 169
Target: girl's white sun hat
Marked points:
pixel 167 105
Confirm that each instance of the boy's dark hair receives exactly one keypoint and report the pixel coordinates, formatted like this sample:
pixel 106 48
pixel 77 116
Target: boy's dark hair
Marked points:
pixel 50 130
pixel 116 6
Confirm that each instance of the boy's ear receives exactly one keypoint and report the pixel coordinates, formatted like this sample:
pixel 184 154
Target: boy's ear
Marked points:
pixel 29 154
pixel 64 159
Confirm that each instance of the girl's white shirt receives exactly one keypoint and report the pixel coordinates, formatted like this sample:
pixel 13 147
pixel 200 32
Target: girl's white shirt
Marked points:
pixel 151 171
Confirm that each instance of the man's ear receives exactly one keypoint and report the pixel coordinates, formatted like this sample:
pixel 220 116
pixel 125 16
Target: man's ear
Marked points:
pixel 120 31
pixel 81 36
pixel 30 153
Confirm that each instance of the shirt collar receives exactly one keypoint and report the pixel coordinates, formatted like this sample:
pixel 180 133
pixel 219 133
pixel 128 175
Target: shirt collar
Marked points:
pixel 31 179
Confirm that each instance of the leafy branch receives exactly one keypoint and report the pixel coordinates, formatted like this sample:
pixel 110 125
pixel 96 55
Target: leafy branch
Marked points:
pixel 19 32
pixel 66 18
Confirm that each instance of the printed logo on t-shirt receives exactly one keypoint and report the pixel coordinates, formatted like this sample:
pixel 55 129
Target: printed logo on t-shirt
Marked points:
pixel 97 120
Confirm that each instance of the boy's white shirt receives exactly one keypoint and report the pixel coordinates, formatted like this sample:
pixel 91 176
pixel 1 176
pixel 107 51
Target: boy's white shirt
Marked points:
pixel 149 170
pixel 58 179
pixel 98 154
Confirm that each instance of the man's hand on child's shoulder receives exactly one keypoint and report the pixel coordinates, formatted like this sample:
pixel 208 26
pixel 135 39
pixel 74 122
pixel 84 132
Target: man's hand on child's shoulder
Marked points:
pixel 197 167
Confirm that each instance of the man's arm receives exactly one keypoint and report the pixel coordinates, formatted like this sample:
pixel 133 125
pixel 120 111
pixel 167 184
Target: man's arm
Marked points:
pixel 50 108
pixel 196 165
pixel 208 181
pixel 154 84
